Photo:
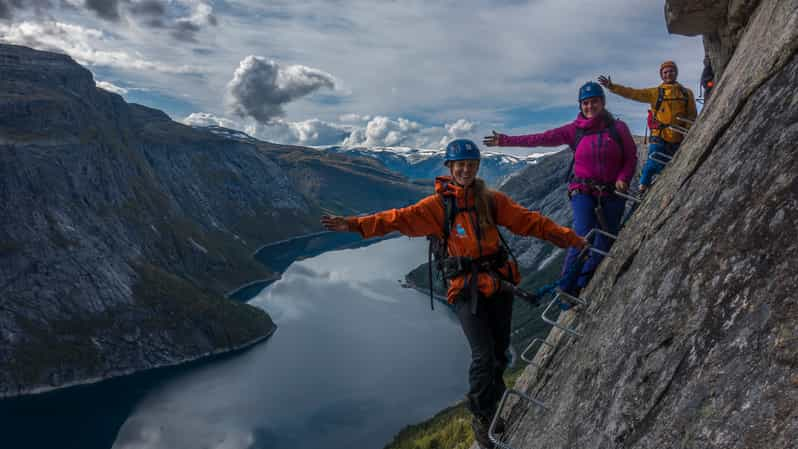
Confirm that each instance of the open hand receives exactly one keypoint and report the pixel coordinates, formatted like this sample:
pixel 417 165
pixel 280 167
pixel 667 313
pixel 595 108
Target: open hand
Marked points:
pixel 491 141
pixel 605 81
pixel 334 223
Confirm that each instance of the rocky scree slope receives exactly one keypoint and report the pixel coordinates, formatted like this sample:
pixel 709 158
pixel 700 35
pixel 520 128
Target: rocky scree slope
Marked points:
pixel 691 338
pixel 121 229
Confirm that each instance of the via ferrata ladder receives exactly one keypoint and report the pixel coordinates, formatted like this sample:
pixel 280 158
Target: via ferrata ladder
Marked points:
pixel 560 295
pixel 571 299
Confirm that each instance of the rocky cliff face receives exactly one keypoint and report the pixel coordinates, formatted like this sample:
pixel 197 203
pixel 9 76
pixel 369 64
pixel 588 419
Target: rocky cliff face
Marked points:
pixel 122 229
pixel 690 337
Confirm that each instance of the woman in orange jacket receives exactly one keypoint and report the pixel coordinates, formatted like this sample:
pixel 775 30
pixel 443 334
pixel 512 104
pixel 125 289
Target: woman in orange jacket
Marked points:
pixel 474 247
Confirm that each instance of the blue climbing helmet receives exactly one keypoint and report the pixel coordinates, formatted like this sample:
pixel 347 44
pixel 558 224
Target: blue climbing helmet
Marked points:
pixel 460 150
pixel 590 89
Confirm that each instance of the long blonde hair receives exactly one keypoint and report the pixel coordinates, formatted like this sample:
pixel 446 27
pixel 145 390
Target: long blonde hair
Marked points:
pixel 483 201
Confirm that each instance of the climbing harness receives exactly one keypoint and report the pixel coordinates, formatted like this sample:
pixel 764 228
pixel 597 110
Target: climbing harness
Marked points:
pixel 451 267
pixel 665 158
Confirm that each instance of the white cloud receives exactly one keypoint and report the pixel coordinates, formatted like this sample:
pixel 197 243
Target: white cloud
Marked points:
pixel 383 131
pixel 261 87
pixel 110 87
pixel 354 118
pixel 516 62
pixel 461 129
pixel 313 132
pixel 81 44
pixel 208 119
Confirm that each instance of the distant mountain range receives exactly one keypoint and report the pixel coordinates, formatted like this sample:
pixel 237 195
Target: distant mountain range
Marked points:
pixel 427 164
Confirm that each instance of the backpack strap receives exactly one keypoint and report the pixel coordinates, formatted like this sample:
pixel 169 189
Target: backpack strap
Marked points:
pixel 685 94
pixel 660 98
pixel 440 247
pixel 613 130
pixel 578 135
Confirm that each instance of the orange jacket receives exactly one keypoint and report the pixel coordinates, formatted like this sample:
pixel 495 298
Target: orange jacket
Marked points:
pixel 427 218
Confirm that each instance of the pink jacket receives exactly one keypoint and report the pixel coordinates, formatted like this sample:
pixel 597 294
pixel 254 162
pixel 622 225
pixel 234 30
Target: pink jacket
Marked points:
pixel 598 156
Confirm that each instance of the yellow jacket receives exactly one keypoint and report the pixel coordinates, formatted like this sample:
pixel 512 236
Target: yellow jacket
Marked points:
pixel 674 104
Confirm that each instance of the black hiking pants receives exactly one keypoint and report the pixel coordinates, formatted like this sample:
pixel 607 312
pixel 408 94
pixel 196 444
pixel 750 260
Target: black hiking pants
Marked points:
pixel 488 333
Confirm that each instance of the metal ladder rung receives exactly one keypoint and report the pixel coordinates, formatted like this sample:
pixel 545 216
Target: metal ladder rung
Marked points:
pixel 686 120
pixel 590 248
pixel 628 196
pixel 532 344
pixel 679 129
pixel 595 231
pixel 507 393
pixel 554 322
pixel 661 158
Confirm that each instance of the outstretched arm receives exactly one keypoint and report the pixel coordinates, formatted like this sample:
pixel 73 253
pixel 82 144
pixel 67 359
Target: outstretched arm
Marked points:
pixel 522 221
pixel 422 218
pixel 648 95
pixel 563 135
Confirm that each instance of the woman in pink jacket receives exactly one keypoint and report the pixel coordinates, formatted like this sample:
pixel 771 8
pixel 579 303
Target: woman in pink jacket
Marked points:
pixel 605 158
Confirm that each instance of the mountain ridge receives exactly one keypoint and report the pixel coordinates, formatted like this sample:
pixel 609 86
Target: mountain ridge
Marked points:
pixel 122 230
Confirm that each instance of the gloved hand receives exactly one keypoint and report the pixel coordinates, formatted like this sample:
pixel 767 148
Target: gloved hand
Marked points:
pixel 605 81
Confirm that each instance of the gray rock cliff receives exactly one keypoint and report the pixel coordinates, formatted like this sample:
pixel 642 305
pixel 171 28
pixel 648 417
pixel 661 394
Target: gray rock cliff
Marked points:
pixel 690 337
pixel 121 229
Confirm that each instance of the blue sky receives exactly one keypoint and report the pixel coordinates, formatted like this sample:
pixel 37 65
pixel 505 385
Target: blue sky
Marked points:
pixel 413 73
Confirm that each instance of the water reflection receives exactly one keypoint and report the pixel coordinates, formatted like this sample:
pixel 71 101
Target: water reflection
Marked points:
pixel 355 357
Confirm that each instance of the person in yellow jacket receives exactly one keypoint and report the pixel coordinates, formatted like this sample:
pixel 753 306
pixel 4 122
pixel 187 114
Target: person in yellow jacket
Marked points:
pixel 670 102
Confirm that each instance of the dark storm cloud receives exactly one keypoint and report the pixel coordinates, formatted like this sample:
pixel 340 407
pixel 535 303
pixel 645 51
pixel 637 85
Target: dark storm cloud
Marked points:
pixel 261 87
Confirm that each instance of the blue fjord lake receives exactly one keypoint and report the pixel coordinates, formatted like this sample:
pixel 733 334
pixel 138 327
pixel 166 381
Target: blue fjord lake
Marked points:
pixel 354 359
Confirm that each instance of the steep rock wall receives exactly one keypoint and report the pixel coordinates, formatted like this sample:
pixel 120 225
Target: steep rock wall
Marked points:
pixel 691 338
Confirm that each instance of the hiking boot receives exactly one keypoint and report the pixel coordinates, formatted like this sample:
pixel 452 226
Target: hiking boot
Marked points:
pixel 480 425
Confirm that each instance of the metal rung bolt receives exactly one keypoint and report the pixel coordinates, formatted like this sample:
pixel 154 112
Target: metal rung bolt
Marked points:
pixel 507 393
pixel 531 345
